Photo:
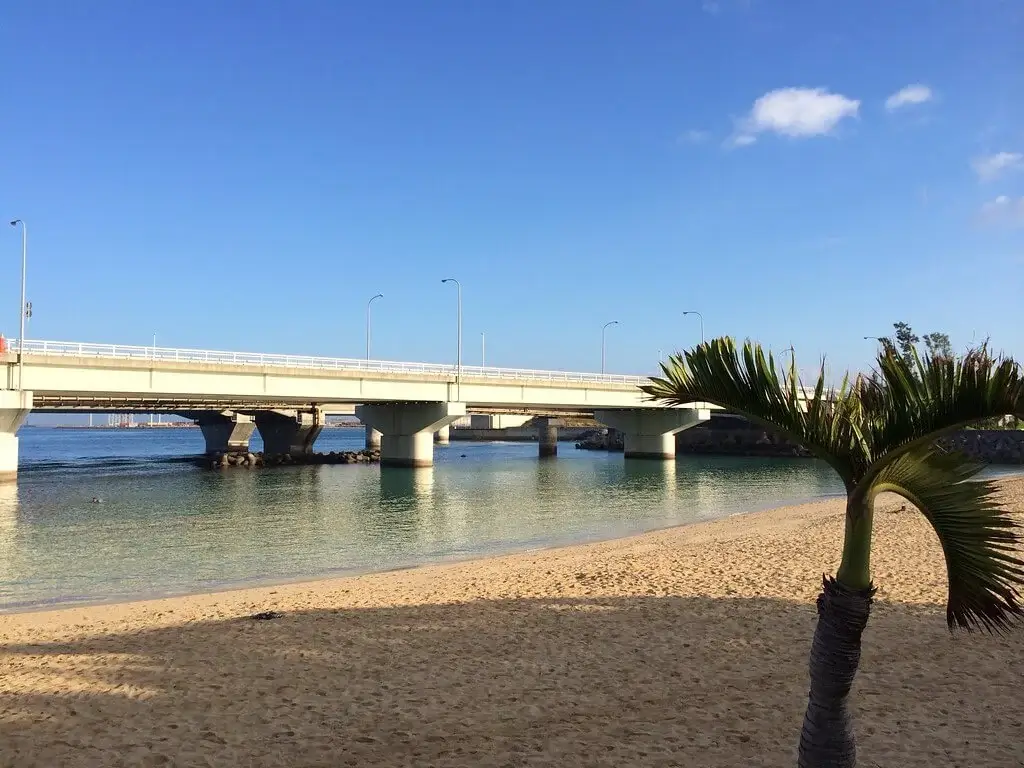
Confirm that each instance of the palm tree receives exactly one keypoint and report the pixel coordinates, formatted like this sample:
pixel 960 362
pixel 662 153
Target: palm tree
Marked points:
pixel 878 433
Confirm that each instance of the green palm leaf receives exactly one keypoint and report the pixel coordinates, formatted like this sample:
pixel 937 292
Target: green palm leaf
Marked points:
pixel 979 538
pixel 912 403
pixel 826 421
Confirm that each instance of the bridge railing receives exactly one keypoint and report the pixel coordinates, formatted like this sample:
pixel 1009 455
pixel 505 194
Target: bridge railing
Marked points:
pixel 206 356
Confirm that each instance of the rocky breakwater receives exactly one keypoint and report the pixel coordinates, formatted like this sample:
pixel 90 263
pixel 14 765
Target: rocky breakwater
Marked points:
pixel 260 459
pixel 600 440
pixel 706 440
pixel 993 446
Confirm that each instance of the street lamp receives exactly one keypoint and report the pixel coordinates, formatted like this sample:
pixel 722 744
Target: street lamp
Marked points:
pixel 701 318
pixel 603 334
pixel 483 349
pixel 21 335
pixel 372 299
pixel 792 359
pixel 160 419
pixel 458 359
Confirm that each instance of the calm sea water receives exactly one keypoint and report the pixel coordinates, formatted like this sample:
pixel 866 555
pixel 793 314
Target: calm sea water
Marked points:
pixel 167 527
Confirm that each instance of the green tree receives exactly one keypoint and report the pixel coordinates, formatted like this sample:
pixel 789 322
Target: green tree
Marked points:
pixel 905 340
pixel 938 345
pixel 878 434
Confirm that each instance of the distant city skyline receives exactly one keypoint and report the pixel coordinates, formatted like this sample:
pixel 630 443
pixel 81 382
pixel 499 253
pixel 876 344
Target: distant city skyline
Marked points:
pixel 245 177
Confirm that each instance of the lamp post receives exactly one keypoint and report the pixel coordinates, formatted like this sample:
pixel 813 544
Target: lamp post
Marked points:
pixel 21 334
pixel 483 349
pixel 699 317
pixel 792 359
pixel 154 360
pixel 458 359
pixel 372 299
pixel 604 332
pixel 887 344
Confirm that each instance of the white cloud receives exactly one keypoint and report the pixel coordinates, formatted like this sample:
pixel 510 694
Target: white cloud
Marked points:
pixel 1004 210
pixel 796 112
pixel 989 167
pixel 911 94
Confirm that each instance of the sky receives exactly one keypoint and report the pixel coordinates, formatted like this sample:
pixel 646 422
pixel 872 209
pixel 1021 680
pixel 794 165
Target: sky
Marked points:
pixel 245 175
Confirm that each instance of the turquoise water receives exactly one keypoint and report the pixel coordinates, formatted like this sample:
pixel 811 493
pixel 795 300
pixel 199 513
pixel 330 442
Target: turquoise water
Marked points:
pixel 167 527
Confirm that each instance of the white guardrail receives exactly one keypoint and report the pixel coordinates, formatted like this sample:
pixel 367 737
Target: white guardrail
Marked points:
pixel 158 354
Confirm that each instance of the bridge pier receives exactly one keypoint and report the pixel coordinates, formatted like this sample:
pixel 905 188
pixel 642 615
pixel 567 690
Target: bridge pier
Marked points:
pixel 15 406
pixel 408 429
pixel 547 437
pixel 651 433
pixel 289 432
pixel 372 439
pixel 224 431
pixel 443 435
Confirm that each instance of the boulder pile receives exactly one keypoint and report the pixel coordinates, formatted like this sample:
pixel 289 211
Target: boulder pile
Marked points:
pixel 260 459
pixel 600 440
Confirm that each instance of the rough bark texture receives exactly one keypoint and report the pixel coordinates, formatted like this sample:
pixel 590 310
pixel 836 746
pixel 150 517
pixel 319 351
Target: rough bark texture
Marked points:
pixel 827 737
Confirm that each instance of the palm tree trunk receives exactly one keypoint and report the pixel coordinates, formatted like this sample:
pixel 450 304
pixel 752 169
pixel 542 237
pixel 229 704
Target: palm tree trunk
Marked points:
pixel 826 740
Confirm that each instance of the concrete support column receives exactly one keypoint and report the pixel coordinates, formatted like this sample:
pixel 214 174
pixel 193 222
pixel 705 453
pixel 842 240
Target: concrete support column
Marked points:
pixel 372 439
pixel 498 420
pixel 650 433
pixel 224 431
pixel 547 437
pixel 289 432
pixel 14 409
pixel 443 435
pixel 408 429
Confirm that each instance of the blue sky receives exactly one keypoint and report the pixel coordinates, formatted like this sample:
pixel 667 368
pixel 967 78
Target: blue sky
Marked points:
pixel 245 175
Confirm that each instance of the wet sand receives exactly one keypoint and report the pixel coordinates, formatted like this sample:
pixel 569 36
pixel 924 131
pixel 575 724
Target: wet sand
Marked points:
pixel 684 647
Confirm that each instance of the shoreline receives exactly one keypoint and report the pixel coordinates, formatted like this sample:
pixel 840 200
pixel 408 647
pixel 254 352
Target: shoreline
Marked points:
pixel 327 577
pixel 684 646
pixel 271 582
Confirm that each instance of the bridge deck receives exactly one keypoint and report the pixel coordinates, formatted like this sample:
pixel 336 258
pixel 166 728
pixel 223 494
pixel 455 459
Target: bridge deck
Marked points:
pixel 97 377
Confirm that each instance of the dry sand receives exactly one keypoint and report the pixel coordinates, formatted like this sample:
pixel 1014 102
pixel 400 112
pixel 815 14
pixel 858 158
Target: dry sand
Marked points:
pixel 685 647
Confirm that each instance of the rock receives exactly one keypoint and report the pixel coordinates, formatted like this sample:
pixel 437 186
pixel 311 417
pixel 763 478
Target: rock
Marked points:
pixel 266 615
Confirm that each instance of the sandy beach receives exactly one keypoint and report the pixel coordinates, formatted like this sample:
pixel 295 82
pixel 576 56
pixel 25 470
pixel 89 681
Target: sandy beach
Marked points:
pixel 684 647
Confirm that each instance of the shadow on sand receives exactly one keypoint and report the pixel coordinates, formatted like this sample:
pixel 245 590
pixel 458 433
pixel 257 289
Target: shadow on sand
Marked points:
pixel 562 682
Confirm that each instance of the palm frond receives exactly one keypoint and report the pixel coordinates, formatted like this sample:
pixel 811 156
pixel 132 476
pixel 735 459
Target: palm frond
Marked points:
pixel 979 538
pixel 912 402
pixel 826 422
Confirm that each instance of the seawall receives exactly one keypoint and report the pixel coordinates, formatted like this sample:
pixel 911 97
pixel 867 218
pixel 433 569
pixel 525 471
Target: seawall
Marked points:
pixel 993 446
pixel 514 434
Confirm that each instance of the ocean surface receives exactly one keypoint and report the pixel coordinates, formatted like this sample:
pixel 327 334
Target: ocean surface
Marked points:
pixel 165 526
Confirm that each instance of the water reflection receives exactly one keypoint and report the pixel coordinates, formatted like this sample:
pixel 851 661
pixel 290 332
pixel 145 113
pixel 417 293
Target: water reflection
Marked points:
pixel 658 481
pixel 8 529
pixel 406 487
pixel 171 528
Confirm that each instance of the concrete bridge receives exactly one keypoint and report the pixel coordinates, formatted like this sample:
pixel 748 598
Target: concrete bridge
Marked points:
pixel 287 397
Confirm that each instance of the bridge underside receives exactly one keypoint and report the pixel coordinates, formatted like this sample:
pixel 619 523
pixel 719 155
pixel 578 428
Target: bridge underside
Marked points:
pixel 57 403
pixel 404 431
